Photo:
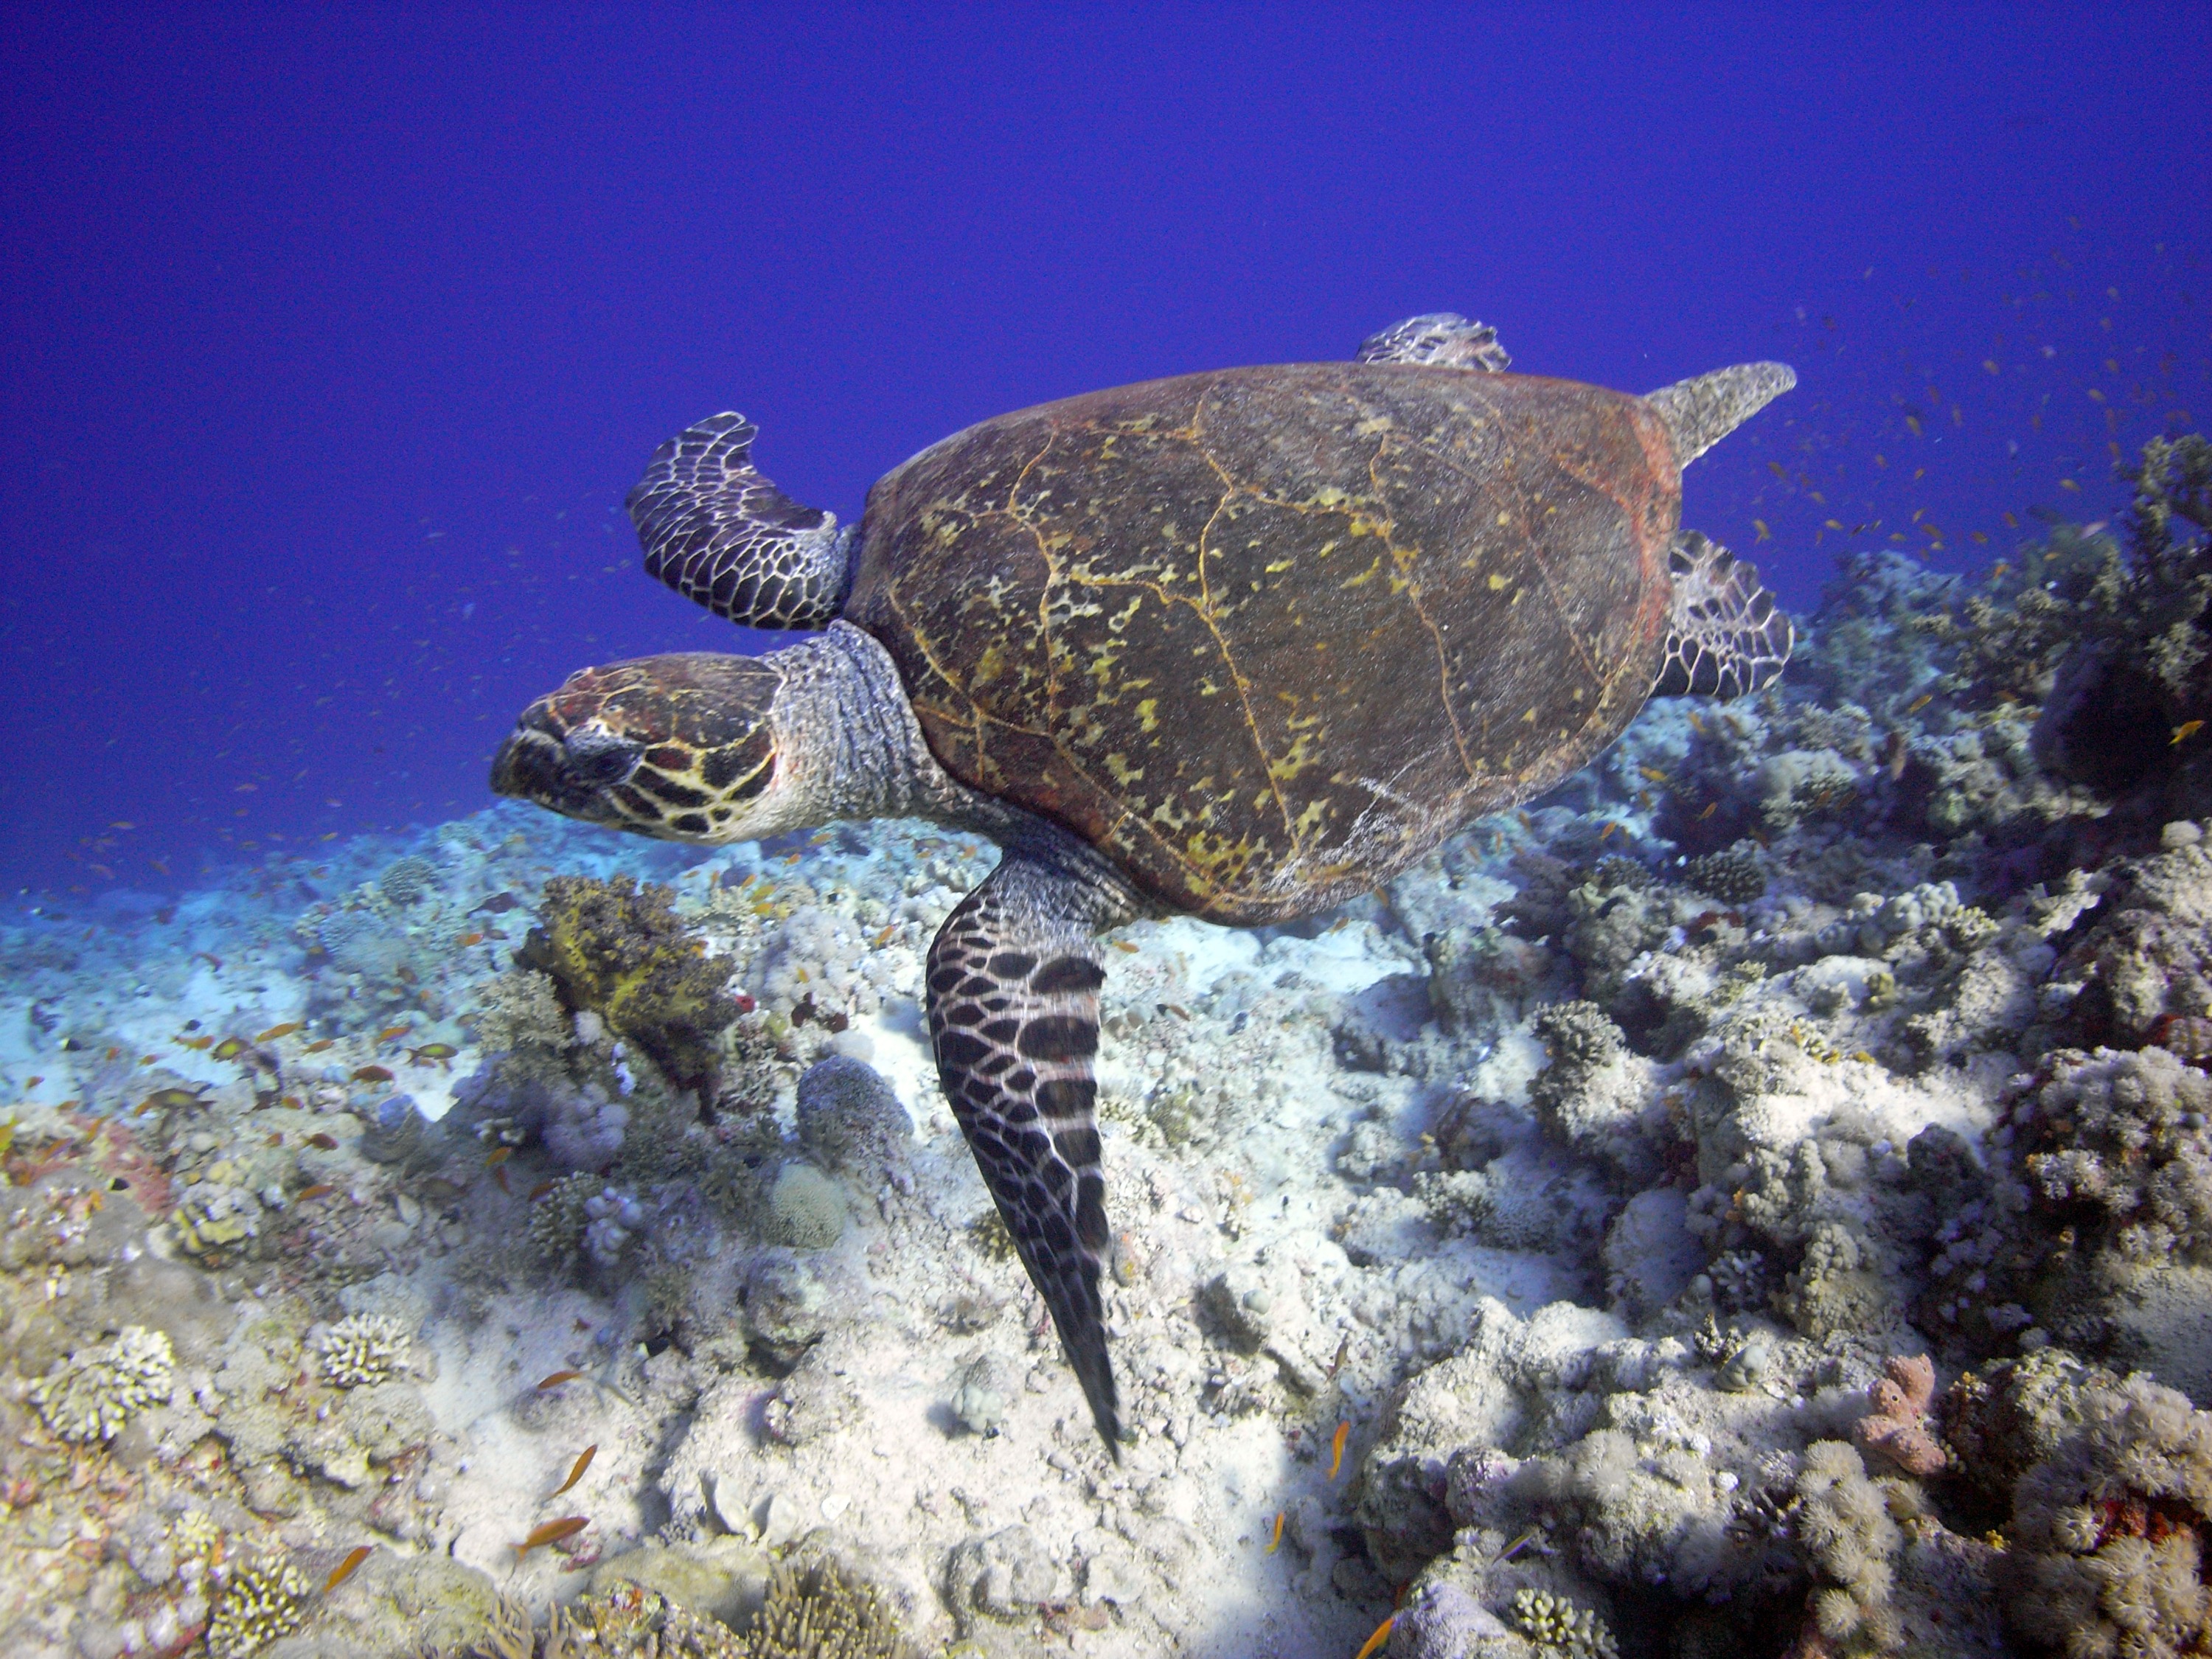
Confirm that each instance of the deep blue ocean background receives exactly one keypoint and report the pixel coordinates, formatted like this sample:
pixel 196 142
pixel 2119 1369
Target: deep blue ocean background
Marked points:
pixel 332 338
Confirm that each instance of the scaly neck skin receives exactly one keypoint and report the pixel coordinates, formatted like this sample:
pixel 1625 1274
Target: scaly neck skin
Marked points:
pixel 852 746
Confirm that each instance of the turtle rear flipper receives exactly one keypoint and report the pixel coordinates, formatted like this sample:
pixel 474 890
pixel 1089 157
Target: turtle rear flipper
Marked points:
pixel 1443 338
pixel 1013 1016
pixel 1725 636
pixel 720 534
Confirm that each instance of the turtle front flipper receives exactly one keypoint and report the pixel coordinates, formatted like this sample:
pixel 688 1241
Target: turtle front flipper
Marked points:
pixel 1443 338
pixel 1725 636
pixel 1013 1015
pixel 720 533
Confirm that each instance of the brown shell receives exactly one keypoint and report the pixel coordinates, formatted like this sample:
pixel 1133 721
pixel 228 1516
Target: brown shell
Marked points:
pixel 1267 635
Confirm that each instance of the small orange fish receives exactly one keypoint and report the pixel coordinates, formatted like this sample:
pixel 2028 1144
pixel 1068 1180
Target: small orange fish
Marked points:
pixel 1712 807
pixel 583 1463
pixel 557 1379
pixel 552 1533
pixel 885 937
pixel 1920 703
pixel 114 1054
pixel 1336 1449
pixel 1652 774
pixel 284 1030
pixel 1123 944
pixel 229 1048
pixel 1697 725
pixel 354 1557
pixel 1611 824
pixel 202 1043
pixel 500 1175
pixel 320 1189
pixel 1382 1635
pixel 499 1155
pixel 371 1074
pixel 167 1100
pixel 1178 1011
pixel 275 1139
pixel 539 1191
pixel 1277 1539
pixel 467 940
pixel 391 1031
pixel 2187 730
pixel 319 1045
pixel 329 1143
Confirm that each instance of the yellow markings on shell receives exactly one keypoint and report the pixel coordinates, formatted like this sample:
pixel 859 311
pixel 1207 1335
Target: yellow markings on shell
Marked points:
pixel 1148 714
pixel 1497 581
pixel 1366 575
pixel 1280 566
pixel 1122 772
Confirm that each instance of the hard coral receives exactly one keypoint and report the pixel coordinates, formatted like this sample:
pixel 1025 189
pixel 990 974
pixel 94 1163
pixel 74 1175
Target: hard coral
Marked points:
pixel 92 1397
pixel 617 950
pixel 2112 643
pixel 266 1599
pixel 364 1349
pixel 1560 1629
pixel 1897 1428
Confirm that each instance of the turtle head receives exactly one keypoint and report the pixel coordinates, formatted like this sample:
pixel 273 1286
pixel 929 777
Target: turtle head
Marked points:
pixel 682 747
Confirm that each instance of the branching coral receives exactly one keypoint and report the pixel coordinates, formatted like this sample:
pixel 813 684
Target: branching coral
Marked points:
pixel 617 950
pixel 266 1598
pixel 1560 1629
pixel 92 1396
pixel 364 1349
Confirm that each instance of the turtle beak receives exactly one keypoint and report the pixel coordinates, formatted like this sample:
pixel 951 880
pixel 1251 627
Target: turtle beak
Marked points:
pixel 567 771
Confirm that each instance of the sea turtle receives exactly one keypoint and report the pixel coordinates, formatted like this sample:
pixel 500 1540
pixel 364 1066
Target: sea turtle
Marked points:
pixel 1240 644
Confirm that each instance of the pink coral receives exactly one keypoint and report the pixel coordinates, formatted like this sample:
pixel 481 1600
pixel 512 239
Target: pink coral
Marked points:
pixel 1897 1428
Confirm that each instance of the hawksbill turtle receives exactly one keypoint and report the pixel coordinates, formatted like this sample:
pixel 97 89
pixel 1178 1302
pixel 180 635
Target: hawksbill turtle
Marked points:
pixel 1239 644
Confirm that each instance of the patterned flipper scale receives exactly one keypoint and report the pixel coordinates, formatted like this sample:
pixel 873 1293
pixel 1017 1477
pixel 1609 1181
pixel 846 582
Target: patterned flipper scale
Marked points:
pixel 1013 1015
pixel 1726 636
pixel 723 536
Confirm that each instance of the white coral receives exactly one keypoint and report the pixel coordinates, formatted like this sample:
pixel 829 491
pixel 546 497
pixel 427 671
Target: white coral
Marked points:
pixel 91 1396
pixel 363 1349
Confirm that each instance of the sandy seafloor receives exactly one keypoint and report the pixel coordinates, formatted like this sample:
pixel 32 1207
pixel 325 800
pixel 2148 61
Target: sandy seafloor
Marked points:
pixel 1603 1178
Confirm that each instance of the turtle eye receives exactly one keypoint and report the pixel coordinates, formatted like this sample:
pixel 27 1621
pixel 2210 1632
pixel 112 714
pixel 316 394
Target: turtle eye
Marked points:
pixel 597 757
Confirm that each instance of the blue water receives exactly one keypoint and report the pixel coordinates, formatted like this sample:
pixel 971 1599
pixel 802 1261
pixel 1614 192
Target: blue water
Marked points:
pixel 330 344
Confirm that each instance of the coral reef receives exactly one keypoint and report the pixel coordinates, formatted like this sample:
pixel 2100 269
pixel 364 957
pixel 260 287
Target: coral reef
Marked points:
pixel 265 1598
pixel 615 949
pixel 2107 1531
pixel 91 1396
pixel 364 1349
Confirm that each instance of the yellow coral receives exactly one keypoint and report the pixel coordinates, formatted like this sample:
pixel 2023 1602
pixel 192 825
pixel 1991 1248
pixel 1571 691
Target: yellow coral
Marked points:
pixel 618 950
